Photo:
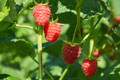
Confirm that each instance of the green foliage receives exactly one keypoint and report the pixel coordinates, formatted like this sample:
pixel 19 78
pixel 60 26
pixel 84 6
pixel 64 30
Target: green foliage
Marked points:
pixel 11 78
pixel 2 76
pixel 3 13
pixel 116 8
pixel 2 4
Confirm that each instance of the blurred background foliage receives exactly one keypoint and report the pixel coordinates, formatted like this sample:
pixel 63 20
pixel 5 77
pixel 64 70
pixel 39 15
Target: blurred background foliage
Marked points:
pixel 18 45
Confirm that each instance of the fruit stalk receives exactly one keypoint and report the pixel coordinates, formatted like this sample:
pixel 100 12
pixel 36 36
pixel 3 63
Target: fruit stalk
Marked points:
pixel 78 8
pixel 64 73
pixel 39 37
pixel 49 74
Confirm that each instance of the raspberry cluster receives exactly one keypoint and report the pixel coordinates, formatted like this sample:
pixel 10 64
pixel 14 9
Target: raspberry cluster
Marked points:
pixel 41 14
pixel 70 53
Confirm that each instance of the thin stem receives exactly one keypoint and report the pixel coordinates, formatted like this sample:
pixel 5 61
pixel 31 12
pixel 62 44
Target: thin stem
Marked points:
pixel 24 26
pixel 49 74
pixel 32 71
pixel 84 39
pixel 34 60
pixel 94 26
pixel 25 7
pixel 39 37
pixel 64 73
pixel 78 8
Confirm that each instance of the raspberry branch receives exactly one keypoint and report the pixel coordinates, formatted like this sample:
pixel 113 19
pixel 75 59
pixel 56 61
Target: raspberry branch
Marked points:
pixel 39 37
pixel 47 72
pixel 24 26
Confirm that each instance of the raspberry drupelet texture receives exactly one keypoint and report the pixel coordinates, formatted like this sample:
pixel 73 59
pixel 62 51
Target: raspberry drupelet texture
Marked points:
pixel 70 54
pixel 89 67
pixel 52 31
pixel 41 13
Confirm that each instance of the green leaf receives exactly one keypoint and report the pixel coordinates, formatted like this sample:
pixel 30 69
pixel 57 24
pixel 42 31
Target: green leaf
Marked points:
pixel 26 3
pixel 12 13
pixel 90 7
pixel 69 4
pixel 68 18
pixel 101 63
pixel 7 33
pixel 4 25
pixel 24 49
pixel 117 31
pixel 4 13
pixel 19 48
pixel 12 78
pixel 57 49
pixel 12 72
pixel 116 7
pixel 18 2
pixel 2 4
pixel 56 70
pixel 26 64
pixel 2 76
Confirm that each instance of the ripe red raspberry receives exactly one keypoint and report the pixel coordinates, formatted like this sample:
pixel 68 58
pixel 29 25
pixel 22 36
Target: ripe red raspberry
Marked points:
pixel 89 67
pixel 117 19
pixel 41 13
pixel 96 53
pixel 52 31
pixel 70 54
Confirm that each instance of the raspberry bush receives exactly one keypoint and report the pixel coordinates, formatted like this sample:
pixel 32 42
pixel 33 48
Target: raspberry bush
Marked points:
pixel 59 40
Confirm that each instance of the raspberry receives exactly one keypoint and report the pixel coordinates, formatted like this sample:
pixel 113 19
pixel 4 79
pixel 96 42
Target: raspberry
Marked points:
pixel 89 67
pixel 52 31
pixel 70 54
pixel 41 13
pixel 117 19
pixel 96 53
